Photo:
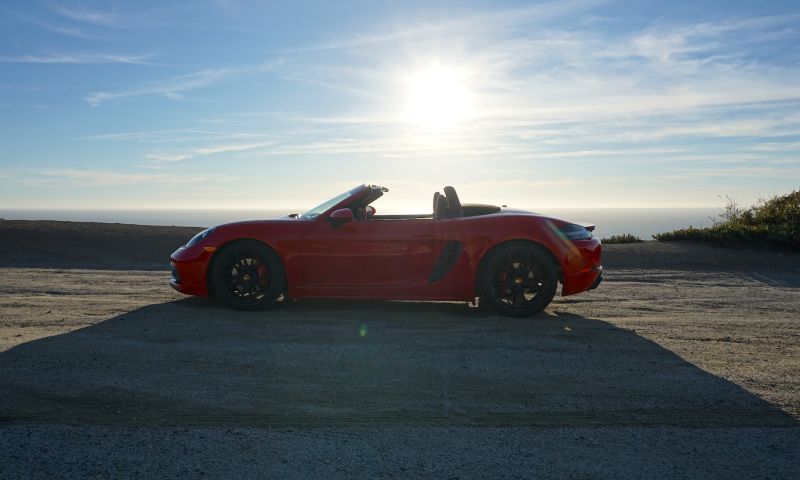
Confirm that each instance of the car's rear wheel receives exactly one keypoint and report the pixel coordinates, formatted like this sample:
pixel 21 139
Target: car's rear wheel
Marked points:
pixel 518 279
pixel 247 275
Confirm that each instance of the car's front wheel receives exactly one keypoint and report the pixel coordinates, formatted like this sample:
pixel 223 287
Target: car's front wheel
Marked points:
pixel 518 279
pixel 247 275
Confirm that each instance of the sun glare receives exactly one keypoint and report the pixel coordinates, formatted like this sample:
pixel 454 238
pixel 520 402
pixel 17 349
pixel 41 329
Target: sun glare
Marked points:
pixel 437 97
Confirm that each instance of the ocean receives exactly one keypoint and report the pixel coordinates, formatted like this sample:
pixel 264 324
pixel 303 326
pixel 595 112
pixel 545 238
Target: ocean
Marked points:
pixel 642 222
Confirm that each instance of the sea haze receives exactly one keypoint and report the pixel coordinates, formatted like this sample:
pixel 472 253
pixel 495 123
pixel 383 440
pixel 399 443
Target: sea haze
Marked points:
pixel 643 222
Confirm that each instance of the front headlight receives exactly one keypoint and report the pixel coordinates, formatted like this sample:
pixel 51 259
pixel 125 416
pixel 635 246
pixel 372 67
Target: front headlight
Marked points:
pixel 199 237
pixel 575 232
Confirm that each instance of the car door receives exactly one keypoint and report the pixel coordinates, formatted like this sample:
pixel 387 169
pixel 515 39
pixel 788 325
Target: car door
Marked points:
pixel 373 258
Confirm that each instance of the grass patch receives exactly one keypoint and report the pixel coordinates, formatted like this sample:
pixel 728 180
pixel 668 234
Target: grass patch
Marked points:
pixel 624 238
pixel 773 222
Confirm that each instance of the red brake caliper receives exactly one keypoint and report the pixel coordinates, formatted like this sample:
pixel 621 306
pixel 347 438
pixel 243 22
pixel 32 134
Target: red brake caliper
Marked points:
pixel 263 275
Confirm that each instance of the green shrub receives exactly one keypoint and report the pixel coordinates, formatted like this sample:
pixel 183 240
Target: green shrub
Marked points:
pixel 624 238
pixel 771 222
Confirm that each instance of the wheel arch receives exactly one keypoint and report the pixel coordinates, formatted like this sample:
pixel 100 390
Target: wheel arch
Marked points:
pixel 526 241
pixel 221 247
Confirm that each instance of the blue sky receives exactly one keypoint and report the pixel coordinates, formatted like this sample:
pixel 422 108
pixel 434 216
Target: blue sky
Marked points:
pixel 238 104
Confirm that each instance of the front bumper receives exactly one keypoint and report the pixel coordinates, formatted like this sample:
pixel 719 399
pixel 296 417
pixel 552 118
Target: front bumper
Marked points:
pixel 189 266
pixel 175 281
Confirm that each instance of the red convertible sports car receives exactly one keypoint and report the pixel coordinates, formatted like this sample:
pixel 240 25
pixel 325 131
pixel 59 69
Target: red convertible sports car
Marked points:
pixel 511 259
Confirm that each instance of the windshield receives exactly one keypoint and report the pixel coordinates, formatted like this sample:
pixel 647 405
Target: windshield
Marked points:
pixel 324 207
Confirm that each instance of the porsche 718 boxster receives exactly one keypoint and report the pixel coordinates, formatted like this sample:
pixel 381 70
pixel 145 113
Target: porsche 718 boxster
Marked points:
pixel 511 259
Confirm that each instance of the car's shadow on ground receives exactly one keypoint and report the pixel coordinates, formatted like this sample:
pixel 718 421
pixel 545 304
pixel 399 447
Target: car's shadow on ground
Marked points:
pixel 191 362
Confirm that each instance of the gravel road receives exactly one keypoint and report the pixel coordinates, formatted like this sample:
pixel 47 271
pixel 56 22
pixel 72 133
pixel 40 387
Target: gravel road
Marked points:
pixel 684 363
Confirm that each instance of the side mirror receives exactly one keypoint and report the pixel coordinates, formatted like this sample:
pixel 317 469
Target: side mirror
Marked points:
pixel 371 211
pixel 343 215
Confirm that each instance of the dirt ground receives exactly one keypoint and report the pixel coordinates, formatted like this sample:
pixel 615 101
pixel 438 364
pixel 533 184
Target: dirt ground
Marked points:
pixel 684 363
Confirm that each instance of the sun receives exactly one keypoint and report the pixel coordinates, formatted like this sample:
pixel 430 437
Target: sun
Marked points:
pixel 437 97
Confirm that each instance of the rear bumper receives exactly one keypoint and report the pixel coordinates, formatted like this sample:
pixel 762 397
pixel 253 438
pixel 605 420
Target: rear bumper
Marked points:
pixel 598 281
pixel 582 281
pixel 582 267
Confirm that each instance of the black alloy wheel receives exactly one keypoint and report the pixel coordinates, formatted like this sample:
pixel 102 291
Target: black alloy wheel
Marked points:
pixel 518 279
pixel 247 275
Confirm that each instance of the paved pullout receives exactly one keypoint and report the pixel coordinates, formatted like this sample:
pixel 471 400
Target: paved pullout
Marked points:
pixel 685 362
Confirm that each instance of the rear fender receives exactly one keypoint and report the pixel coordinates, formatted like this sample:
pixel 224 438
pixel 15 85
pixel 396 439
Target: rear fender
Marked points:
pixel 553 259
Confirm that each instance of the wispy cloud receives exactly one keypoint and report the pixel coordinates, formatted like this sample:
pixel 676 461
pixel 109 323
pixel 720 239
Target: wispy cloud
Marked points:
pixel 89 177
pixel 71 31
pixel 234 147
pixel 527 184
pixel 177 85
pixel 739 172
pixel 25 88
pixel 133 15
pixel 171 135
pixel 710 41
pixel 777 147
pixel 173 157
pixel 167 157
pixel 79 58
pixel 474 22
pixel 174 87
pixel 89 16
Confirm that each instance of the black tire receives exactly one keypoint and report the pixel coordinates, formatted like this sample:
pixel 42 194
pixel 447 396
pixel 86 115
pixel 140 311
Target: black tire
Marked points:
pixel 518 279
pixel 247 275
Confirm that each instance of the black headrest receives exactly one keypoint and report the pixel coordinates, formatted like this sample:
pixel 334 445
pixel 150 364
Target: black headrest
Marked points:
pixel 440 206
pixel 453 203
